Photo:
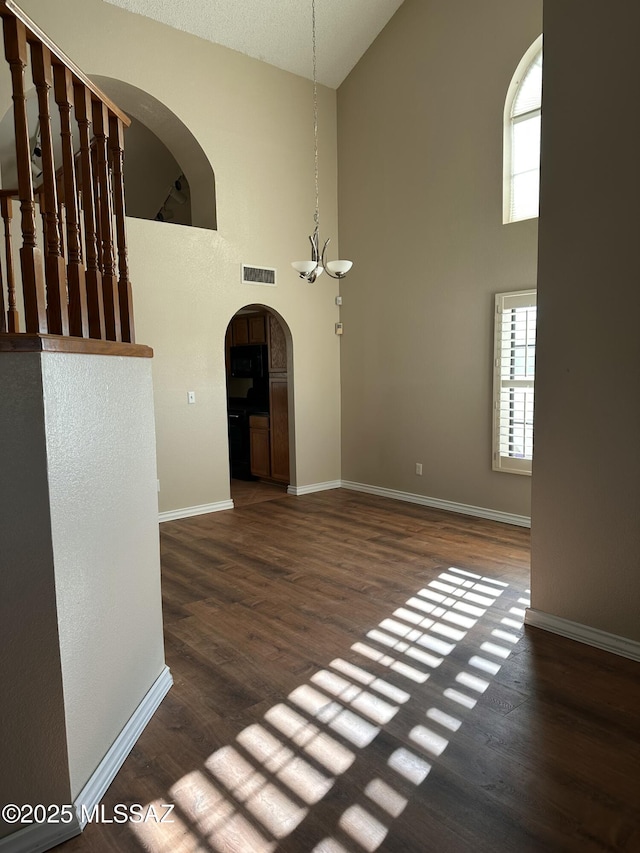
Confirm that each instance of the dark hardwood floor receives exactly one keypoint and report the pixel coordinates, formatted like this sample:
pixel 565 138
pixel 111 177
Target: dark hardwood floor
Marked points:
pixel 352 674
pixel 246 492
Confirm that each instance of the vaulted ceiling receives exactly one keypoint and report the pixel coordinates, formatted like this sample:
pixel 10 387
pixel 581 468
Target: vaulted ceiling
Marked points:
pixel 279 31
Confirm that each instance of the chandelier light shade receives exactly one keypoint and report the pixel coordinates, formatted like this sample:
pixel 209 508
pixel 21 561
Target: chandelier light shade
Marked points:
pixel 310 270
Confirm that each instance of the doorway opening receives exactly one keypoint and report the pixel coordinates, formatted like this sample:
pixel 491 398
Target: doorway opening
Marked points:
pixel 258 361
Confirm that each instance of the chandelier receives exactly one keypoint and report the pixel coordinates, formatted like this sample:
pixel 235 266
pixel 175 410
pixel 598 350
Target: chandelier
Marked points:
pixel 310 270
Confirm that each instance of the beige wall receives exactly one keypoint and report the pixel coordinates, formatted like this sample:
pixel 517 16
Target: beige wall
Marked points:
pixel 586 482
pixel 254 122
pixel 420 178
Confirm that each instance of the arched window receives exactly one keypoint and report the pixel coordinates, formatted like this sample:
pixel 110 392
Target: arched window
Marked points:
pixel 522 121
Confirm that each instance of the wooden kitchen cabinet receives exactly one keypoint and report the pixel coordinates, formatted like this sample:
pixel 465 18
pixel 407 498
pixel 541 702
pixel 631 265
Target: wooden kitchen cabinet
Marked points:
pixel 277 346
pixel 240 330
pixel 257 329
pixel 248 329
pixel 279 428
pixel 260 445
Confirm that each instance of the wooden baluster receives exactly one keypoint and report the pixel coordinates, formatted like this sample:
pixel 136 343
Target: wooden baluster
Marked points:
pixel 15 47
pixel 3 310
pixel 62 216
pixel 78 313
pixel 95 300
pixel 3 314
pixel 109 279
pixel 13 320
pixel 96 201
pixel 116 145
pixel 55 273
pixel 38 196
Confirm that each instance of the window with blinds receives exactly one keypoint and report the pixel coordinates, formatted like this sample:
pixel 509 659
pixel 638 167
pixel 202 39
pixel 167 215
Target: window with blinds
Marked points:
pixel 522 138
pixel 513 381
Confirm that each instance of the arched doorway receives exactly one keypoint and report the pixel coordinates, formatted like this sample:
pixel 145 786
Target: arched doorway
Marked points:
pixel 258 359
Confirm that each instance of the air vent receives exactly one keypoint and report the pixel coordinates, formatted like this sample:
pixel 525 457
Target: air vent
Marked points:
pixel 258 275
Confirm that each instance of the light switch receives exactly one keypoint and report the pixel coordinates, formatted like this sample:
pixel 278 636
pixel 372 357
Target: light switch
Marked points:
pixel 191 397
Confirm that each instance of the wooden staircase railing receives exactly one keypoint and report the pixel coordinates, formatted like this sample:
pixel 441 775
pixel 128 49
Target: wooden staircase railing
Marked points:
pixel 77 285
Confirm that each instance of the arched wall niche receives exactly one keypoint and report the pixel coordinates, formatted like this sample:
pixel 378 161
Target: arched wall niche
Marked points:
pixel 157 118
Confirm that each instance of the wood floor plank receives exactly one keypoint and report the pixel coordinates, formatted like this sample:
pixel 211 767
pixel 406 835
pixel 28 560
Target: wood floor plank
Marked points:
pixel 352 674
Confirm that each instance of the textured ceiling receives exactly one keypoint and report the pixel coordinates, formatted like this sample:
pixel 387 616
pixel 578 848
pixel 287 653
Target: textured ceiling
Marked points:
pixel 279 31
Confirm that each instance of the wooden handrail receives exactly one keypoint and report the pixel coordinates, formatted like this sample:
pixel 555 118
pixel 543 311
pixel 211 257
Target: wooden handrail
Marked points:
pixel 81 287
pixel 8 8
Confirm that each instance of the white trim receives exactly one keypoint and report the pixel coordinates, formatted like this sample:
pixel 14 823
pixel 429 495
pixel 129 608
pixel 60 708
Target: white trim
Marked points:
pixel 106 771
pixel 423 500
pixel 314 487
pixel 583 634
pixel 188 511
pixel 40 837
pixel 438 503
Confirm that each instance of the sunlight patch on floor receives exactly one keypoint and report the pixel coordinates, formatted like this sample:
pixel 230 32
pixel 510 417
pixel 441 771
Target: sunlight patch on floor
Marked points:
pixel 363 827
pixel 259 790
pixel 320 746
pixel 386 797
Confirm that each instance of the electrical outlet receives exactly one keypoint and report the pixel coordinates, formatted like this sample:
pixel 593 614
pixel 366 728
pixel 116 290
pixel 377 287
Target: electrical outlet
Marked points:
pixel 191 397
pixel 339 328
pixel 338 300
pixel 419 468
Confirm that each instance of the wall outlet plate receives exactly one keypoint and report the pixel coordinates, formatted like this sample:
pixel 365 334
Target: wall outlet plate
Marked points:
pixel 339 328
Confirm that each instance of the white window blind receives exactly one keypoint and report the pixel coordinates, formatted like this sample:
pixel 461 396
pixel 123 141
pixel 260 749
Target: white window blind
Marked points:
pixel 513 383
pixel 529 94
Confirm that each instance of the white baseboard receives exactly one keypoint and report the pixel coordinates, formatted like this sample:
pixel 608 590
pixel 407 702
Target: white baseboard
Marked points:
pixel 583 634
pixel 438 503
pixel 105 772
pixel 314 487
pixel 188 511
pixel 40 837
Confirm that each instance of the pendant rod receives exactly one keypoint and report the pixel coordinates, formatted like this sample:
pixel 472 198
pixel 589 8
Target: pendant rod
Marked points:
pixel 316 217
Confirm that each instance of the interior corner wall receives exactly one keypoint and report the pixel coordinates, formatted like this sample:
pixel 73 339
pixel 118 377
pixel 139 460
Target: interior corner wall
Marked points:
pixel 420 125
pixel 255 125
pixel 586 476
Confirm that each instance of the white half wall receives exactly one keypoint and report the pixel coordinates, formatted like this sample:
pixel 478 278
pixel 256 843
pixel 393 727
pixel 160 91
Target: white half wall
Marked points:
pixel 104 520
pixel 80 603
